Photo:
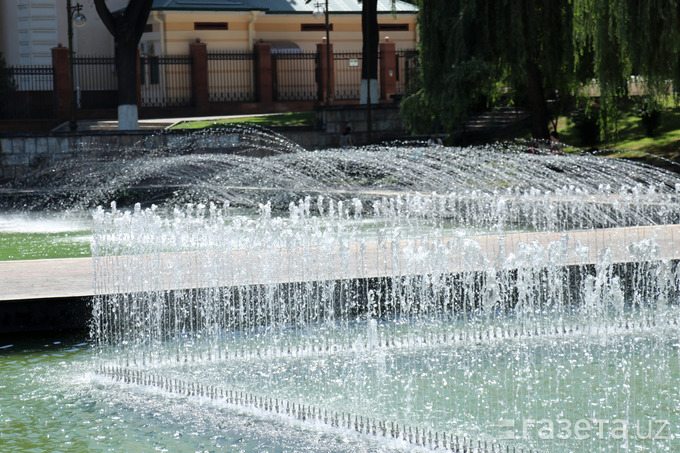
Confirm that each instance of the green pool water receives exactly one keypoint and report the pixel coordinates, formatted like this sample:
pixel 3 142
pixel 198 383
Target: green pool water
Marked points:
pixel 41 235
pixel 50 401
pixel 592 391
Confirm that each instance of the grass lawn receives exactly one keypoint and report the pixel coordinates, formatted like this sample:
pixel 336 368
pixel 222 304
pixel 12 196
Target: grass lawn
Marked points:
pixel 269 120
pixel 629 139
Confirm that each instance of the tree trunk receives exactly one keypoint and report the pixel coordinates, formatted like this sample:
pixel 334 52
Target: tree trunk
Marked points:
pixel 126 27
pixel 126 62
pixel 536 102
pixel 369 69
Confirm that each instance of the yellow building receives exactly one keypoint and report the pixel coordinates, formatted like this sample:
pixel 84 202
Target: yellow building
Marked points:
pixel 228 67
pixel 29 28
pixel 237 25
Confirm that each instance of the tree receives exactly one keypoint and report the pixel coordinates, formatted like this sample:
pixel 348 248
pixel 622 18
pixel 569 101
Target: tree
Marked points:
pixel 369 49
pixel 628 38
pixel 473 52
pixel 536 51
pixel 127 27
pixel 370 39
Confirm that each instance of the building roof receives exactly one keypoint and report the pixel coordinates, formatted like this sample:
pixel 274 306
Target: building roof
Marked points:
pixel 279 6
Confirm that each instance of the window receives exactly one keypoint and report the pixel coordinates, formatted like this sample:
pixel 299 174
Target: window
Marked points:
pixel 393 27
pixel 211 26
pixel 314 27
pixel 148 28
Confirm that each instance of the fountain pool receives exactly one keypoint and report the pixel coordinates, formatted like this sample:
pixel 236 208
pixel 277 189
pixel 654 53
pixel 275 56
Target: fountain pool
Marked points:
pixel 391 298
pixel 424 335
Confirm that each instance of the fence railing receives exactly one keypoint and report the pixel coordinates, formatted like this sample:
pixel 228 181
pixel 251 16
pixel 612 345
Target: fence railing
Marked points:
pixel 231 77
pixel 295 76
pixel 166 81
pixel 28 78
pixel 407 68
pixel 95 73
pixel 26 92
pixel 347 67
pixel 95 81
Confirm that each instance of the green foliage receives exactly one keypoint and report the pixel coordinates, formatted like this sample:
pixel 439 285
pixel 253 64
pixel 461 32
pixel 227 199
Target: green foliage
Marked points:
pixel 416 114
pixel 539 50
pixel 630 140
pixel 473 51
pixel 628 37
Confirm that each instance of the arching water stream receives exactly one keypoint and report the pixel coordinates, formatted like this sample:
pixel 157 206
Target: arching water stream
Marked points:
pixel 461 299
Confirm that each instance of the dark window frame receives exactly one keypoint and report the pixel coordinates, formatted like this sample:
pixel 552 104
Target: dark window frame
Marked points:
pixel 211 26
pixel 393 27
pixel 314 27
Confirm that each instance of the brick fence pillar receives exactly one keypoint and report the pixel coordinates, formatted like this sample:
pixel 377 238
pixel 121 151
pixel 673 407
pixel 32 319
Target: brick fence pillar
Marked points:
pixel 199 75
pixel 62 85
pixel 323 69
pixel 264 80
pixel 388 70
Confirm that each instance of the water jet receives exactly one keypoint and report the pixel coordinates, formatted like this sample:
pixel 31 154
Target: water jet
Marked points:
pixel 459 299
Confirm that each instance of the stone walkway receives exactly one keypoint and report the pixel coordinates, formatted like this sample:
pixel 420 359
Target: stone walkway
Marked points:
pixel 68 278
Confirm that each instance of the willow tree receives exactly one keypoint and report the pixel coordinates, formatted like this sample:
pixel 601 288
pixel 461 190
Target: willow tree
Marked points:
pixel 127 27
pixel 629 38
pixel 474 51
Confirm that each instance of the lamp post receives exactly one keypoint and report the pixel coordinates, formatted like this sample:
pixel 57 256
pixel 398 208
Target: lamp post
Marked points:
pixel 74 16
pixel 319 13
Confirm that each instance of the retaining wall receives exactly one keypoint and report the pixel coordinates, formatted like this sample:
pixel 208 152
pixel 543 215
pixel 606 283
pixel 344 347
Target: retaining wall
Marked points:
pixel 21 153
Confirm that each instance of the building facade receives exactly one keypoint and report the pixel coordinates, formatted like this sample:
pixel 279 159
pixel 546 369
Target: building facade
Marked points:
pixel 202 57
pixel 30 28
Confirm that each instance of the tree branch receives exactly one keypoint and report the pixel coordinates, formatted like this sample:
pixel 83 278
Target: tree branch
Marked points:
pixel 106 16
pixel 137 13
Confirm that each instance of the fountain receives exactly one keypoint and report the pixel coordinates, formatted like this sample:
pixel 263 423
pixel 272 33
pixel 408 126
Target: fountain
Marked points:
pixel 448 299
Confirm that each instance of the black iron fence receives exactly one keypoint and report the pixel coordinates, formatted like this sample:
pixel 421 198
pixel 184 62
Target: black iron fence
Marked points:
pixel 166 81
pixel 347 67
pixel 28 78
pixel 407 68
pixel 26 92
pixel 95 82
pixel 231 77
pixel 295 76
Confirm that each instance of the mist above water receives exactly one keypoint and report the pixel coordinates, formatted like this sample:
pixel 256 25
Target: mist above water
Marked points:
pixel 247 166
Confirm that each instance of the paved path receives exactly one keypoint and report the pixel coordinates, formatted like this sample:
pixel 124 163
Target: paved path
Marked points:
pixel 60 278
pixel 39 279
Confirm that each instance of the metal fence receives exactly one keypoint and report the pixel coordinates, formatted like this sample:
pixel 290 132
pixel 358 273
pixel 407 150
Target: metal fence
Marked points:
pixel 166 81
pixel 407 68
pixel 347 68
pixel 95 73
pixel 231 77
pixel 295 76
pixel 95 81
pixel 26 92
pixel 28 78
